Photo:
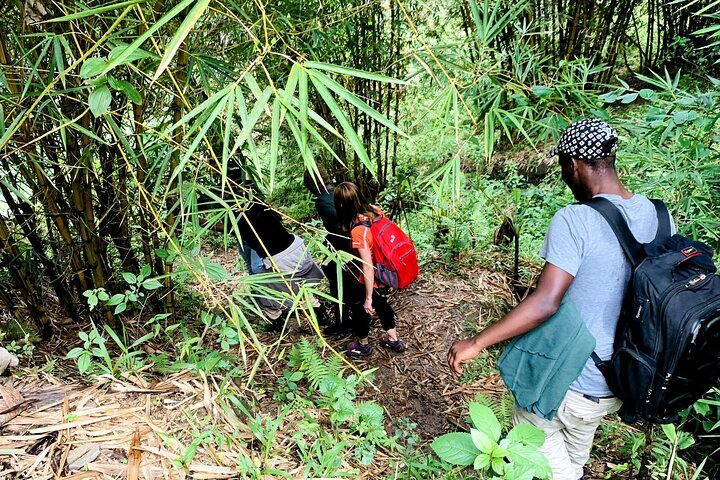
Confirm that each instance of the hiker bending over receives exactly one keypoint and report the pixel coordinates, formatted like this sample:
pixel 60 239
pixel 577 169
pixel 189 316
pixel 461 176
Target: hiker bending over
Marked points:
pixel 323 190
pixel 281 252
pixel 366 295
pixel 584 263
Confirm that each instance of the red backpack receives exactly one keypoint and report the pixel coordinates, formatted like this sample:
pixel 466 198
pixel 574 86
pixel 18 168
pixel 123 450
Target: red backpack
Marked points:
pixel 394 254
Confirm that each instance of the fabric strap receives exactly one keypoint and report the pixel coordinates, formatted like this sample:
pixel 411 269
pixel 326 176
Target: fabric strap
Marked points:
pixel 632 248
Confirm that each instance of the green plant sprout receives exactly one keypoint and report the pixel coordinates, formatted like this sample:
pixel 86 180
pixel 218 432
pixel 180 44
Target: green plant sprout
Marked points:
pixel 515 457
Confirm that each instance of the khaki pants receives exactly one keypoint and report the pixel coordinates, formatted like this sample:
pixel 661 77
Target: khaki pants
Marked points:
pixel 569 436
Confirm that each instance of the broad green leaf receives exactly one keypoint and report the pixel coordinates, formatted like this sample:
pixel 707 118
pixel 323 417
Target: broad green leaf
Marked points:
pixel 137 54
pixel 526 434
pixel 646 94
pixel 484 420
pixel 353 72
pixel 151 284
pixel 84 362
pixel 482 461
pixel 120 308
pixel 130 278
pixel 541 91
pixel 99 100
pixel 116 299
pixel 145 270
pixel 482 441
pixel 75 352
pixel 92 67
pixel 456 448
pixel 216 272
pixel 185 27
pixel 130 49
pixel 628 97
pixel 523 455
pixel 92 301
pixel 609 97
pixel 498 465
pixel 126 87
pixel 93 11
pixel 670 432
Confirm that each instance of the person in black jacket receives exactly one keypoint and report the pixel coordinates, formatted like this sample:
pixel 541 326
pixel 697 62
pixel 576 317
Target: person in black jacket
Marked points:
pixel 320 185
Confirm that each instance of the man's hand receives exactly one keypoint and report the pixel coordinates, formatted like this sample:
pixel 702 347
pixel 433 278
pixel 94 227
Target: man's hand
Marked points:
pixel 461 352
pixel 7 360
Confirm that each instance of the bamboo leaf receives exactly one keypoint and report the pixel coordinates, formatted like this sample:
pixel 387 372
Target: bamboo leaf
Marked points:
pixel 316 118
pixel 201 108
pixel 313 131
pixel 92 67
pixel 85 131
pixel 198 138
pixel 353 100
pixel 182 32
pixel 303 102
pixel 92 11
pixel 291 84
pixel 137 54
pixel 352 136
pixel 353 72
pixel 99 100
pixel 252 118
pixel 34 72
pixel 59 59
pixel 130 49
pixel 274 136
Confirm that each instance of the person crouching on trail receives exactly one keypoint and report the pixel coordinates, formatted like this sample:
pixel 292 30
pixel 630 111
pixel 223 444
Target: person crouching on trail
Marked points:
pixel 367 296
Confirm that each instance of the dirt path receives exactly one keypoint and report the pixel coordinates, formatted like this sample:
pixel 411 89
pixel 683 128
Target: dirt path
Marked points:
pixel 135 429
pixel 417 384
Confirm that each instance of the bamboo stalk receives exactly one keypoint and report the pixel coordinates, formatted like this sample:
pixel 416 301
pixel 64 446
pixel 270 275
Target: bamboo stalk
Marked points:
pixel 12 259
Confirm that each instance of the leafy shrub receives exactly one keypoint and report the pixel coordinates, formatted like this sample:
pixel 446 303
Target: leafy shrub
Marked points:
pixel 514 457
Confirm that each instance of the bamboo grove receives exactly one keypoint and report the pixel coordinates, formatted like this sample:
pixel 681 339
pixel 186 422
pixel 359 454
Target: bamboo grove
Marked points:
pixel 119 119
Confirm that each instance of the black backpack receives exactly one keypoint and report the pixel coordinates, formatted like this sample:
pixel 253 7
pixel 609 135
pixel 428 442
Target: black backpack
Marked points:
pixel 668 335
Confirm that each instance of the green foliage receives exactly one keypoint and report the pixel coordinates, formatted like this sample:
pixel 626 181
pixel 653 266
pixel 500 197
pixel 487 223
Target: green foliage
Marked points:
pixel 94 357
pixel 514 457
pixel 138 287
pixel 670 148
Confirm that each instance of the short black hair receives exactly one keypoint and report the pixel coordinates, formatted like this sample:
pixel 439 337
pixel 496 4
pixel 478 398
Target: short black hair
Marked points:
pixel 602 163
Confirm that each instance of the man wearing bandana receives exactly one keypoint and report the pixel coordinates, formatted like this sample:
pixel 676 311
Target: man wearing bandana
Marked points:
pixel 585 264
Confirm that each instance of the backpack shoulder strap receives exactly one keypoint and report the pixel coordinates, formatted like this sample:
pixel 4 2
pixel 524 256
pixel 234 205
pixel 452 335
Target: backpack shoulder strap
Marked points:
pixel 631 247
pixel 663 217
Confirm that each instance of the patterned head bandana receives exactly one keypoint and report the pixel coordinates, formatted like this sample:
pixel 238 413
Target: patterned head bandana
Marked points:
pixel 587 140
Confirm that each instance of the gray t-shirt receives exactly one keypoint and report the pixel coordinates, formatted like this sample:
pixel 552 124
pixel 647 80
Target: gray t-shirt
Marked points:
pixel 580 242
